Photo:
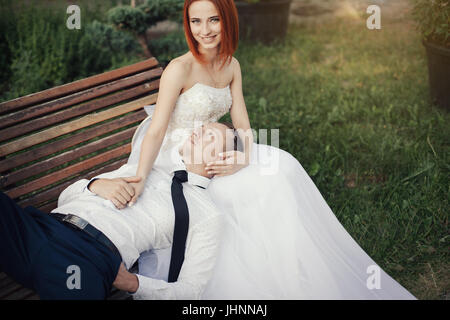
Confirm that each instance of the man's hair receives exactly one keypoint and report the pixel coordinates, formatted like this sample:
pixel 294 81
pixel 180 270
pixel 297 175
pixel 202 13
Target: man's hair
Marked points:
pixel 237 146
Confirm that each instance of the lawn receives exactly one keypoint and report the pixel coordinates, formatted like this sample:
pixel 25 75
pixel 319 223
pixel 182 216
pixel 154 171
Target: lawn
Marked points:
pixel 353 107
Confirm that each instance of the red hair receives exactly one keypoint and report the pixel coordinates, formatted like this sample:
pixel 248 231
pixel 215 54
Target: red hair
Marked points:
pixel 229 23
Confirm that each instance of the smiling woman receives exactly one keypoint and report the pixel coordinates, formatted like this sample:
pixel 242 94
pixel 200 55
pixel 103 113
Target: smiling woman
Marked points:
pixel 206 22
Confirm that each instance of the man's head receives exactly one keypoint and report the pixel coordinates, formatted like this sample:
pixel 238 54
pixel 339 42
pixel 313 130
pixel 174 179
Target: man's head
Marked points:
pixel 206 142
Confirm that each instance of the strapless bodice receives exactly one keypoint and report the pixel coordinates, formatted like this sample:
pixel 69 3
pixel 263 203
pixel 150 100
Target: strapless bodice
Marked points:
pixel 196 106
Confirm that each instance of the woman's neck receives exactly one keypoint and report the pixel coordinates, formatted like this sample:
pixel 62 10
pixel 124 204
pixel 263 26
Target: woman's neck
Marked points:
pixel 210 55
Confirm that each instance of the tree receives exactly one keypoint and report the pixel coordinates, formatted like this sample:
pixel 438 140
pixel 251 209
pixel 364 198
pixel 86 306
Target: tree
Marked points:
pixel 137 19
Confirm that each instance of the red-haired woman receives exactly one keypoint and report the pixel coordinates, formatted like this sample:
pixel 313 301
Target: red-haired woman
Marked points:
pixel 281 240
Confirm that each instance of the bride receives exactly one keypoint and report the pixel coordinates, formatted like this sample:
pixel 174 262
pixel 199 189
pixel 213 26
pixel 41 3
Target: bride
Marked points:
pixel 281 239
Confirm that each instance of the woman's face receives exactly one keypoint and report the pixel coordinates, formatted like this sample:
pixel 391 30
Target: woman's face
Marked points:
pixel 205 23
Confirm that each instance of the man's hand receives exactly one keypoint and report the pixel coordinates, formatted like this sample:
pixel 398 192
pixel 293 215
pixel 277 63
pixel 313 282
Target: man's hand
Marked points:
pixel 125 280
pixel 138 188
pixel 119 190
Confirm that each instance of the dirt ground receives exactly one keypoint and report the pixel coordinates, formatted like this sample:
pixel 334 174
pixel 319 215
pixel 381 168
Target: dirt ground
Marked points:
pixel 317 11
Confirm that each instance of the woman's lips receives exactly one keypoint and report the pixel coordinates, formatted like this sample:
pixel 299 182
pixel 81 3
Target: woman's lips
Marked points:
pixel 208 39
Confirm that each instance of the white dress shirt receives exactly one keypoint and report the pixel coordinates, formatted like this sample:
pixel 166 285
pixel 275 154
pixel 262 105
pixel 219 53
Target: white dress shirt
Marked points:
pixel 149 224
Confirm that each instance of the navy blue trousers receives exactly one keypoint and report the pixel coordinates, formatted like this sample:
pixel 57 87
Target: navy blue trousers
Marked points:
pixel 55 260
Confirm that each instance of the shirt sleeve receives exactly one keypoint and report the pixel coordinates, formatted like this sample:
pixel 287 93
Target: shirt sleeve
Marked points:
pixel 81 186
pixel 72 191
pixel 198 264
pixel 86 189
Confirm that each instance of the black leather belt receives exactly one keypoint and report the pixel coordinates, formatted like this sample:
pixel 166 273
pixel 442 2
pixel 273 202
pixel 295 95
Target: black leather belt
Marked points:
pixel 81 224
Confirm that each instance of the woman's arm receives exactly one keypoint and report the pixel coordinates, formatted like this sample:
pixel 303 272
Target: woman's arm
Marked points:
pixel 171 84
pixel 238 112
pixel 233 161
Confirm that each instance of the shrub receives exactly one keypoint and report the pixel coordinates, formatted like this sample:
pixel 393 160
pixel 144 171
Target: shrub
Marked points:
pixel 433 18
pixel 39 52
pixel 168 47
pixel 127 18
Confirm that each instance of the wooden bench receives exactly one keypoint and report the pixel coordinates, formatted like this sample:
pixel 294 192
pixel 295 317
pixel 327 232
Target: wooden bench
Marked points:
pixel 50 139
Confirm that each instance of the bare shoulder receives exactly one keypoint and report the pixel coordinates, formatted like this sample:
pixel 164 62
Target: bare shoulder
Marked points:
pixel 235 66
pixel 235 63
pixel 236 69
pixel 176 73
pixel 177 68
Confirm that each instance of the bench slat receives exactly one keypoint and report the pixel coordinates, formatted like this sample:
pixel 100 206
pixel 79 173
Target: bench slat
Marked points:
pixel 53 193
pixel 20 294
pixel 9 289
pixel 74 125
pixel 53 138
pixel 59 117
pixel 65 157
pixel 4 280
pixel 70 141
pixel 68 171
pixel 79 97
pixel 76 86
pixel 48 206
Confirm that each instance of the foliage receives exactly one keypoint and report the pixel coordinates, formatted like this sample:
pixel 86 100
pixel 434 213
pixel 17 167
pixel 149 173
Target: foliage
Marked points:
pixel 145 15
pixel 169 47
pixel 127 18
pixel 433 18
pixel 40 52
pixel 159 10
pixel 99 42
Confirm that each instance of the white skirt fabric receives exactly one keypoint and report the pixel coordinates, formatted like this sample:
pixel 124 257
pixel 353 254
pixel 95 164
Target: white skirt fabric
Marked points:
pixel 280 240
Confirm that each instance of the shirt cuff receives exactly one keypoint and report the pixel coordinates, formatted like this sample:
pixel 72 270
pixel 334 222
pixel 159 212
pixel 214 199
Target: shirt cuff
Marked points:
pixel 86 189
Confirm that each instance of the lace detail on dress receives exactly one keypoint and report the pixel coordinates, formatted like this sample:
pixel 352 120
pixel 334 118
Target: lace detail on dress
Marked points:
pixel 196 106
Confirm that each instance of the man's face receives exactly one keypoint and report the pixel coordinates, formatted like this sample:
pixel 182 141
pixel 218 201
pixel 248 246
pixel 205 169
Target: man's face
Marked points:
pixel 206 142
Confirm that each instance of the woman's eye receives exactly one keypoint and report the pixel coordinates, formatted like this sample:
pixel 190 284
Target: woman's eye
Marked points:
pixel 215 19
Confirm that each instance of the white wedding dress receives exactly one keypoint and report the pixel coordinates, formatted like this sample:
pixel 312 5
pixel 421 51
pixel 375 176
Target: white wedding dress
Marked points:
pixel 281 240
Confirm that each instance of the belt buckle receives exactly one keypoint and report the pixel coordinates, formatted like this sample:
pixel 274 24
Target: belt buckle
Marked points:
pixel 75 221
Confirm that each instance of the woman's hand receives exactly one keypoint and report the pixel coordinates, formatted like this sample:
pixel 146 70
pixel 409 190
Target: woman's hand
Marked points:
pixel 232 161
pixel 138 189
pixel 119 190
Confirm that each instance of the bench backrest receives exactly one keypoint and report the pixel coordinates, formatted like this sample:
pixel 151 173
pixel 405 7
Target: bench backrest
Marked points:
pixel 50 139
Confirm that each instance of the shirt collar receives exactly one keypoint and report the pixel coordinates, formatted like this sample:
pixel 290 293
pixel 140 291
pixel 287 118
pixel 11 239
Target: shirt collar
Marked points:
pixel 193 178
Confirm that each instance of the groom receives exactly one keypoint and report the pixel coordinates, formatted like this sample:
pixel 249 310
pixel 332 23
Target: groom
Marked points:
pixel 87 243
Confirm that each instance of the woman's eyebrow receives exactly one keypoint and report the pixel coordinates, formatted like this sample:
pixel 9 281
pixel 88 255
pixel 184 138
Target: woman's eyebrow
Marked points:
pixel 194 18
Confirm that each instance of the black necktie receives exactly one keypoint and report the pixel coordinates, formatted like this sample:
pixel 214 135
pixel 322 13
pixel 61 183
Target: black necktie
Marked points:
pixel 181 224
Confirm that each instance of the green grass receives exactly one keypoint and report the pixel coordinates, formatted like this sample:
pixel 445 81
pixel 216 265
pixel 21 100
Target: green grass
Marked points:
pixel 353 107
